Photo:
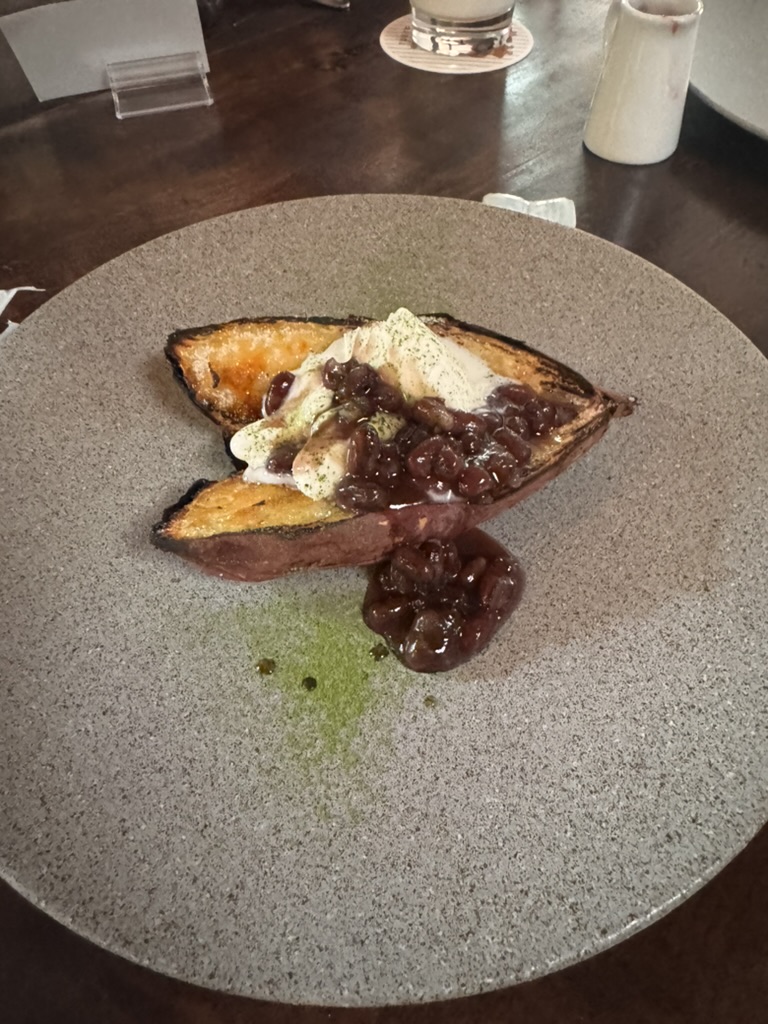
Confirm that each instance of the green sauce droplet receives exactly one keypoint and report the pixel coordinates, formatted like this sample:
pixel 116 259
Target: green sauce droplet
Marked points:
pixel 309 683
pixel 379 652
pixel 430 701
pixel 265 666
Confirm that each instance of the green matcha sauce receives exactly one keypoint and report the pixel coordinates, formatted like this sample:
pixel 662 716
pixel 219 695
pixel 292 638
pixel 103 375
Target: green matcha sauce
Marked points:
pixel 329 670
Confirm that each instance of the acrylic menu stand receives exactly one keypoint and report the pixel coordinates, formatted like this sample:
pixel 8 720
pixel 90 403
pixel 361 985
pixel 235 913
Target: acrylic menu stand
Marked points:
pixel 156 84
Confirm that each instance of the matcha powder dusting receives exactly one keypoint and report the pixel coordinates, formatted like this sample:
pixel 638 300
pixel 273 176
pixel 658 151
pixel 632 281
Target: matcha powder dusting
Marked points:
pixel 324 670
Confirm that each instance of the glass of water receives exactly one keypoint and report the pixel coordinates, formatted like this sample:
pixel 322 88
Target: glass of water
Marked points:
pixel 462 27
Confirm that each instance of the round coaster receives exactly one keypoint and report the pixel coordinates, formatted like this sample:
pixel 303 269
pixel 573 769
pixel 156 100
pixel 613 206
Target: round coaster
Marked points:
pixel 395 41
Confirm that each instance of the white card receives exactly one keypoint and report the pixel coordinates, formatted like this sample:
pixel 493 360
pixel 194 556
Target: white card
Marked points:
pixel 63 48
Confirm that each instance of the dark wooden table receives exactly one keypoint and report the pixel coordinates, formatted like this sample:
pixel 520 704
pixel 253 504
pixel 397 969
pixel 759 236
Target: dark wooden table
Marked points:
pixel 307 104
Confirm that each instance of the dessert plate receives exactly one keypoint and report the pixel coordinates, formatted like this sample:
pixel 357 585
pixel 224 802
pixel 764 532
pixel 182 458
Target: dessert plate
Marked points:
pixel 383 837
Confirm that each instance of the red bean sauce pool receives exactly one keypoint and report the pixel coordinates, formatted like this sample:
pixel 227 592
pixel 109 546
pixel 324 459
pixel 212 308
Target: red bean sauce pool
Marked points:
pixel 439 603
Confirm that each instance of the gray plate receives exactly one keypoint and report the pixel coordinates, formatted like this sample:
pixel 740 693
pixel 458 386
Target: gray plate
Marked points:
pixel 730 65
pixel 357 844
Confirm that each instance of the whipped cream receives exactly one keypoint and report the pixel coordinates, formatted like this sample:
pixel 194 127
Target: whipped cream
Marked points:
pixel 406 354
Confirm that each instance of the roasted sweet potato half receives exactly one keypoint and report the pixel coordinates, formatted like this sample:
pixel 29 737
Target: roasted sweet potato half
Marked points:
pixel 253 532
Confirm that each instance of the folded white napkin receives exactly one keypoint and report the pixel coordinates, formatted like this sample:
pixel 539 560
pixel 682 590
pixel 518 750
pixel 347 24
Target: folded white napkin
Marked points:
pixel 560 211
pixel 6 296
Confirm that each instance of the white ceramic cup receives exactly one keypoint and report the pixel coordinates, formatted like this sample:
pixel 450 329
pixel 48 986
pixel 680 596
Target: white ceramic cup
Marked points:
pixel 637 108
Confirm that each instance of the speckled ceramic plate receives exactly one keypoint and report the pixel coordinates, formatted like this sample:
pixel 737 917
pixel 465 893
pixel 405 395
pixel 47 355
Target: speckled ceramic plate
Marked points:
pixel 730 66
pixel 386 837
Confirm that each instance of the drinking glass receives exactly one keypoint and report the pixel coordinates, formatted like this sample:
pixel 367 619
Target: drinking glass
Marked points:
pixel 462 27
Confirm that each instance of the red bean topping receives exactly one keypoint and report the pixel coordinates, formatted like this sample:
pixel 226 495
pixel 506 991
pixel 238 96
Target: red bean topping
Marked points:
pixel 414 565
pixel 388 468
pixel 473 570
pixel 387 398
pixel 433 639
pixel 432 412
pixel 354 494
pixel 409 436
pixel 358 451
pixel 281 459
pixel 447 464
pixel 334 373
pixel 275 394
pixel 439 453
pixel 354 409
pixel 497 586
pixel 439 603
pixel 362 380
pixel 474 481
pixel 492 419
pixel 393 581
pixel 519 449
pixel 512 394
pixel 476 632
pixel 540 416
pixel 472 443
pixel 503 469
pixel 390 616
pixel 518 424
pixel 421 459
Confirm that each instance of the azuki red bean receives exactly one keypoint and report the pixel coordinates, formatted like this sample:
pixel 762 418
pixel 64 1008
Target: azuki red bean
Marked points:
pixel 432 412
pixel 472 442
pixel 512 394
pixel 334 373
pixel 496 586
pixel 421 458
pixel 387 398
pixel 388 468
pixel 362 380
pixel 275 394
pixel 540 416
pixel 409 436
pixel 492 419
pixel 372 452
pixel 390 616
pixel 474 481
pixel 519 449
pixel 518 424
pixel 357 452
pixel 393 581
pixel 472 571
pixel 281 459
pixel 413 564
pixel 476 631
pixel 434 636
pixel 355 494
pixel 447 464
pixel 503 468
pixel 354 409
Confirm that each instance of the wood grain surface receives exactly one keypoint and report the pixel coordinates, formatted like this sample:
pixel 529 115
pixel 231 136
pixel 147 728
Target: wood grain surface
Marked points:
pixel 306 104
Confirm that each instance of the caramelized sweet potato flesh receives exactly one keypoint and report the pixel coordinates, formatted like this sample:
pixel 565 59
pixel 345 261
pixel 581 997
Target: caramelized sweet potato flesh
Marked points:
pixel 227 368
pixel 233 506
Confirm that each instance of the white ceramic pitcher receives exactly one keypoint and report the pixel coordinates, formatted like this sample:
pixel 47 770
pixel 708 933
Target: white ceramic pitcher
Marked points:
pixel 637 109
